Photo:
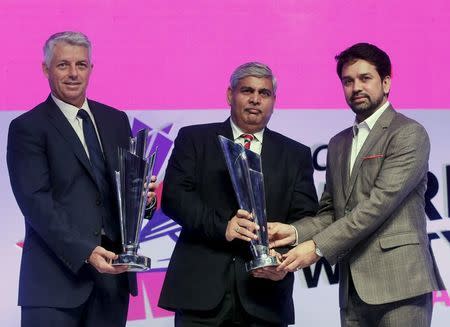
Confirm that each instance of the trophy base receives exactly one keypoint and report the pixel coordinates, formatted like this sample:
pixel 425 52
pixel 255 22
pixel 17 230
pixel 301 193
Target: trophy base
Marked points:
pixel 134 262
pixel 264 261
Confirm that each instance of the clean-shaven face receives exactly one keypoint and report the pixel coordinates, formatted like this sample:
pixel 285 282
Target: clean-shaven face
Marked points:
pixel 252 102
pixel 68 73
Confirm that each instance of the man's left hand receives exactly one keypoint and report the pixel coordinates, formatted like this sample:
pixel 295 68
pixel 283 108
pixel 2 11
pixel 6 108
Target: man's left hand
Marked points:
pixel 270 272
pixel 151 195
pixel 303 255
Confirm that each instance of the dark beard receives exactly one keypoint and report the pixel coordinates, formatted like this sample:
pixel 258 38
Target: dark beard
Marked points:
pixel 366 109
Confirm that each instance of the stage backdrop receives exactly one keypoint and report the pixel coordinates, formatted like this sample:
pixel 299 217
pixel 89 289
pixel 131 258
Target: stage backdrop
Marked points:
pixel 168 62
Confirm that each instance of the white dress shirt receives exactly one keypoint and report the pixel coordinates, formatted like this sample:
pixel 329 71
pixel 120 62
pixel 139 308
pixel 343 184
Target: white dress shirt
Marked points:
pixel 362 130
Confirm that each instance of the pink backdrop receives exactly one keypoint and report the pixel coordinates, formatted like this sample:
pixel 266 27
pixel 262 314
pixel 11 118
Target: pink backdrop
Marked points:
pixel 178 54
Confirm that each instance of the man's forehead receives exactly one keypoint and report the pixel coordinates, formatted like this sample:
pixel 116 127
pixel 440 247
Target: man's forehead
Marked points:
pixel 256 82
pixel 360 64
pixel 65 51
pixel 63 46
pixel 358 67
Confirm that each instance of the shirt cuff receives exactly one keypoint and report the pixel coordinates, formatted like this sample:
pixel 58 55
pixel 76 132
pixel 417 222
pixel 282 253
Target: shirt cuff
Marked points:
pixel 295 243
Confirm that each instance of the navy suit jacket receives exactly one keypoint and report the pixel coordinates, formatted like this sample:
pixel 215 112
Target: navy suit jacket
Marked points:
pixel 198 194
pixel 55 188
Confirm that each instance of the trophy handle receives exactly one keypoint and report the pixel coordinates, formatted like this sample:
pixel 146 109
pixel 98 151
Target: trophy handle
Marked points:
pixel 148 171
pixel 133 145
pixel 121 214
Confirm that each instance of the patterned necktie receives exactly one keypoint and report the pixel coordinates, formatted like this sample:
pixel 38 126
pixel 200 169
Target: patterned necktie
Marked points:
pixel 248 138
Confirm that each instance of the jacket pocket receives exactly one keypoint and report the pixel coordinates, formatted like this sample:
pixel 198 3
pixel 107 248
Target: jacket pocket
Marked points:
pixel 396 240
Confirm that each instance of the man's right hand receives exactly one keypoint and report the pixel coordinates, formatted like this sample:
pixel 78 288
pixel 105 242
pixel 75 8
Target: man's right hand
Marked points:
pixel 101 260
pixel 241 226
pixel 281 234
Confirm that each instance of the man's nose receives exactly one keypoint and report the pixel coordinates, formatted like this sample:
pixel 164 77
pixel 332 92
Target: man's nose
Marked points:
pixel 255 98
pixel 73 71
pixel 357 86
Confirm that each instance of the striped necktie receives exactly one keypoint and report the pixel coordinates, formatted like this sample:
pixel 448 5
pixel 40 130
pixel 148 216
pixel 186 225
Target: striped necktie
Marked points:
pixel 248 138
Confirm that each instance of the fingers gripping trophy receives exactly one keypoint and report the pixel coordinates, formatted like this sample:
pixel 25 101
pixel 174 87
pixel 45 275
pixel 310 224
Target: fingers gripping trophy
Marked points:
pixel 247 178
pixel 132 185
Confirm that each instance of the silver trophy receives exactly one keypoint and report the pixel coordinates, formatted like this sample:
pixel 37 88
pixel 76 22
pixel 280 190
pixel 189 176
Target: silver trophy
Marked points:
pixel 132 185
pixel 247 178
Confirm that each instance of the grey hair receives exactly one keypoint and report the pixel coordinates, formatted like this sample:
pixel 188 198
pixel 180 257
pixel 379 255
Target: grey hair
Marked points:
pixel 72 38
pixel 255 69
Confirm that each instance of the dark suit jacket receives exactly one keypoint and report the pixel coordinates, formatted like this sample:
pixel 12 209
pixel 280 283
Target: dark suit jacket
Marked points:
pixel 373 220
pixel 198 194
pixel 56 191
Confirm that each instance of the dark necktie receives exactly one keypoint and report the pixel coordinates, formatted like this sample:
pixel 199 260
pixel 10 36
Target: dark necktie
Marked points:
pixel 248 138
pixel 98 168
pixel 93 145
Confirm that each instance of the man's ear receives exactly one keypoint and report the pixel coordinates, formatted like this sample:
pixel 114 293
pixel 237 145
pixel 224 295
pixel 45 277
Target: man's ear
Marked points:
pixel 45 69
pixel 387 85
pixel 229 95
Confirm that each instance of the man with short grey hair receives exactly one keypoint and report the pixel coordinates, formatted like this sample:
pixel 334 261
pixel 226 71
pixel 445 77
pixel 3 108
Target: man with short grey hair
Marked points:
pixel 61 157
pixel 68 37
pixel 206 283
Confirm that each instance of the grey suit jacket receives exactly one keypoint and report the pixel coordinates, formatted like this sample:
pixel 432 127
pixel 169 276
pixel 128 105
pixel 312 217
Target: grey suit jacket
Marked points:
pixel 373 221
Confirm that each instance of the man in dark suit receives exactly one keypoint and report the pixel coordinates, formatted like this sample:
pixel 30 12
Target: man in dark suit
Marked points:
pixel 371 215
pixel 206 282
pixel 61 157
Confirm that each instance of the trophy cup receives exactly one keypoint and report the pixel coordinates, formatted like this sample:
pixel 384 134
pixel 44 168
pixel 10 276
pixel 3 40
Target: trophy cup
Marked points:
pixel 132 185
pixel 247 178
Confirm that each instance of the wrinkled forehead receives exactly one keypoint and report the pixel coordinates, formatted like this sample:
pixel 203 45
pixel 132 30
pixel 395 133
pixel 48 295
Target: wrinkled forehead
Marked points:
pixel 255 82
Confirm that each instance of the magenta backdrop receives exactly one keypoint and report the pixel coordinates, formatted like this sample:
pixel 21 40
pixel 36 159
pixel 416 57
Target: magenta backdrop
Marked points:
pixel 178 54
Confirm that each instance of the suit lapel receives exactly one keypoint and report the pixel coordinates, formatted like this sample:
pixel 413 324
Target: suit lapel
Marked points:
pixel 343 162
pixel 270 157
pixel 217 159
pixel 373 138
pixel 224 130
pixel 60 122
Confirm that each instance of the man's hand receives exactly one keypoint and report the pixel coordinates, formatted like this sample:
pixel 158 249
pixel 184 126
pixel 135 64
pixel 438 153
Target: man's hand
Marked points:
pixel 270 272
pixel 241 226
pixel 151 195
pixel 101 259
pixel 281 234
pixel 303 255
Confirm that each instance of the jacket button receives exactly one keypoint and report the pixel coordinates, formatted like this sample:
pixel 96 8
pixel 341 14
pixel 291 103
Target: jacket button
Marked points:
pixel 98 202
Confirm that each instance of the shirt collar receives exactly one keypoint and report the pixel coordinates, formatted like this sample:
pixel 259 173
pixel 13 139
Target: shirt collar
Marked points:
pixel 370 121
pixel 70 111
pixel 237 132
